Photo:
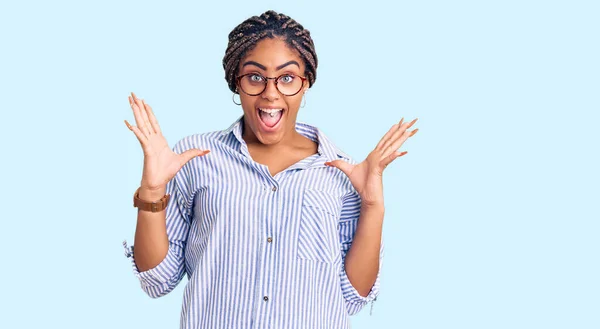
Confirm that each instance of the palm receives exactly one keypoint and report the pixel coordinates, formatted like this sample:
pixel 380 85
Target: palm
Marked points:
pixel 161 164
pixel 366 177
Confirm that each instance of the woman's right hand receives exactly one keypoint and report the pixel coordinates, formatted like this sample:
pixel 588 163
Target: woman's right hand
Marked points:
pixel 161 164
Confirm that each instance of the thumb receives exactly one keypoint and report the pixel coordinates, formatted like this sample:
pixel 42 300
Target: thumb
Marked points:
pixel 342 165
pixel 192 153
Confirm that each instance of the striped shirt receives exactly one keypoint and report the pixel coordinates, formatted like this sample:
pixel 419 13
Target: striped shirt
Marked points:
pixel 259 251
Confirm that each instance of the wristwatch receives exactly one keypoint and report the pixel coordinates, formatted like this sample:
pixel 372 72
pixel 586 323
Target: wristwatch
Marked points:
pixel 156 206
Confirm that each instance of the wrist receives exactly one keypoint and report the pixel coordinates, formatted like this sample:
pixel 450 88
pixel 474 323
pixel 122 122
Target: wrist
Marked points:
pixel 152 195
pixel 372 207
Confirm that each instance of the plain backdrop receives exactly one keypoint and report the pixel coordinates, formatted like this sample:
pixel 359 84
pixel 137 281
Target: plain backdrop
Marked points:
pixel 492 217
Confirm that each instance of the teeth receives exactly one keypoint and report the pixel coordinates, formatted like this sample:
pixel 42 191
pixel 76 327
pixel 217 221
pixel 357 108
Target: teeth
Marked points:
pixel 271 112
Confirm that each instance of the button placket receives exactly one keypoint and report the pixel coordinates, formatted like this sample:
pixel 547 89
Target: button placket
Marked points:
pixel 269 236
pixel 270 187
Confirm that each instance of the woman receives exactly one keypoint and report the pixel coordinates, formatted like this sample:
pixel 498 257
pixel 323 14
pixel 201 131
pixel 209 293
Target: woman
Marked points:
pixel 276 227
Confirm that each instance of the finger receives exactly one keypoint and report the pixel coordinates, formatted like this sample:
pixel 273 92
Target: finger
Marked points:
pixel 395 137
pixel 143 123
pixel 136 131
pixel 388 135
pixel 397 143
pixel 392 157
pixel 151 117
pixel 140 104
pixel 139 121
pixel 412 123
pixel 413 132
pixel 190 154
pixel 344 166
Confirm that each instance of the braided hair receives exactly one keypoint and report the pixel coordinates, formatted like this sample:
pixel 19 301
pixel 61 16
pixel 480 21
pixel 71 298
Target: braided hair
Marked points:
pixel 270 24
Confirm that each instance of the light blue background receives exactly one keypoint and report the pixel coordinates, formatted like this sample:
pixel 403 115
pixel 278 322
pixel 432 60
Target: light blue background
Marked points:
pixel 492 217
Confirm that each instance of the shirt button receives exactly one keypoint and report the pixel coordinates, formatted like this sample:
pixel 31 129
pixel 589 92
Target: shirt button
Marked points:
pixel 266 299
pixel 274 188
pixel 269 239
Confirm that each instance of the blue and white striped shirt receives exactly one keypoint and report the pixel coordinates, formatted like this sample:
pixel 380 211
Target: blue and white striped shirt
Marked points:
pixel 259 251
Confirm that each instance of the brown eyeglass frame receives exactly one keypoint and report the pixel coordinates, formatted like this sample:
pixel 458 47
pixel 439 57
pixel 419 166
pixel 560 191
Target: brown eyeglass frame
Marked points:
pixel 265 85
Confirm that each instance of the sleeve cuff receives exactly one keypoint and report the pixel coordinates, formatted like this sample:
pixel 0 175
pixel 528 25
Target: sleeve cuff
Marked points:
pixel 354 301
pixel 351 294
pixel 161 274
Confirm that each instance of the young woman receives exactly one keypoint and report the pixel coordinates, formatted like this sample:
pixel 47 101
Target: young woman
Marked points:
pixel 276 227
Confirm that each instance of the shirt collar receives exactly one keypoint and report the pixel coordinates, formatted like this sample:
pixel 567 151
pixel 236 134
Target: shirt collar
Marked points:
pixel 325 146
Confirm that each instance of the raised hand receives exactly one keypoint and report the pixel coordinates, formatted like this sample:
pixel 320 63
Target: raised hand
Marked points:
pixel 160 162
pixel 366 177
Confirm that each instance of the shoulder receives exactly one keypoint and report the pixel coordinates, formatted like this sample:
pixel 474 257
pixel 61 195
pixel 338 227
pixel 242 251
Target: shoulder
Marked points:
pixel 206 140
pixel 211 141
pixel 336 178
pixel 326 144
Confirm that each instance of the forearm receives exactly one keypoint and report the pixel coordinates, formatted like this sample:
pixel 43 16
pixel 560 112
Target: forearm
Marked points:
pixel 151 241
pixel 362 260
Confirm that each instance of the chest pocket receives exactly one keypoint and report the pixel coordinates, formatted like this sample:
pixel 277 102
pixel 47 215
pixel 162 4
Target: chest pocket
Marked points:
pixel 318 238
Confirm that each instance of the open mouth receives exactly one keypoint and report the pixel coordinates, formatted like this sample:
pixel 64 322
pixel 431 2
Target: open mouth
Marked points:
pixel 270 118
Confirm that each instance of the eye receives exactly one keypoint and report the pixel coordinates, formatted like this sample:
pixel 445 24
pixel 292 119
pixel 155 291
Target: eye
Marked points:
pixel 287 78
pixel 255 78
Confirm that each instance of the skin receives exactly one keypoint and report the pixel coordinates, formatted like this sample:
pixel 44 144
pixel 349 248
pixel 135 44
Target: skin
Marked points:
pixel 278 150
pixel 271 58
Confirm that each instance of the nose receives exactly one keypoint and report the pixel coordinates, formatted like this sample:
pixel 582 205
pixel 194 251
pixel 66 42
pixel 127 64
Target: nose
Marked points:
pixel 271 93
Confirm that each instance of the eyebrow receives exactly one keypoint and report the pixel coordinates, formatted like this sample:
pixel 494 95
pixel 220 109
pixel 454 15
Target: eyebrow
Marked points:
pixel 277 68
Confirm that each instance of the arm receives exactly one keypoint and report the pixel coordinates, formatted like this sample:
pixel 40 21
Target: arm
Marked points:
pixel 159 237
pixel 362 261
pixel 362 252
pixel 158 260
pixel 151 238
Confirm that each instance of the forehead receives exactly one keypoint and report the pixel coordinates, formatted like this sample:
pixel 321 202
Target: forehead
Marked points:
pixel 272 53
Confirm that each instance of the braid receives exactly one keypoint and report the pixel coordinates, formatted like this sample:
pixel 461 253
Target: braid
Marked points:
pixel 270 24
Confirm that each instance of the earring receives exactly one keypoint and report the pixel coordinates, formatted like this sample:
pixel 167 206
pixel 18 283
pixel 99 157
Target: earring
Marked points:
pixel 303 100
pixel 233 98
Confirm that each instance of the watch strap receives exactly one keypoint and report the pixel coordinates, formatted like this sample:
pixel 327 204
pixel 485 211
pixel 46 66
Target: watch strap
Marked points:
pixel 155 206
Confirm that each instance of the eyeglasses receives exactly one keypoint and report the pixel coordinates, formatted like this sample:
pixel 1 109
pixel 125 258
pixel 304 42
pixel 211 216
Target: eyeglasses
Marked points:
pixel 254 84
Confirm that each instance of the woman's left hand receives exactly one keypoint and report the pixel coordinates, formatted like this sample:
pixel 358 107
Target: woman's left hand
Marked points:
pixel 366 177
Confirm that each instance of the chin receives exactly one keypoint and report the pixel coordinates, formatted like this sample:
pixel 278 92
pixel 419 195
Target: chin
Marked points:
pixel 270 138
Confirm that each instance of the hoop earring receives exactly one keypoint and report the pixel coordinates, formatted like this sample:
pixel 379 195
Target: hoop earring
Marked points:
pixel 233 99
pixel 303 101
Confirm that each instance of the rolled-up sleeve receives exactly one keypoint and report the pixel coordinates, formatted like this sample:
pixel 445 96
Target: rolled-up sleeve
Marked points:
pixel 162 279
pixel 347 227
